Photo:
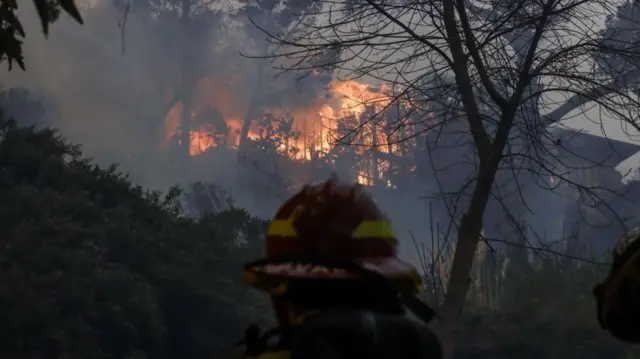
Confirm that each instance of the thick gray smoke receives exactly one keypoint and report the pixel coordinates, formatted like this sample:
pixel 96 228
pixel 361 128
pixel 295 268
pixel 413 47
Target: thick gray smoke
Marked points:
pixel 111 84
pixel 110 87
pixel 81 69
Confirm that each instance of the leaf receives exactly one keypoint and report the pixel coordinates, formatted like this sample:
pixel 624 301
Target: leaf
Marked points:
pixel 11 48
pixel 43 13
pixel 70 8
pixel 14 23
pixel 20 62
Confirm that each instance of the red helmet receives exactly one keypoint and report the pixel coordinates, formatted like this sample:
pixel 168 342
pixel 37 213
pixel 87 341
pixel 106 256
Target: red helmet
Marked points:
pixel 322 227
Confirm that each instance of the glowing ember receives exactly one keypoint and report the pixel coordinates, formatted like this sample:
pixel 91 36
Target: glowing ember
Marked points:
pixel 363 179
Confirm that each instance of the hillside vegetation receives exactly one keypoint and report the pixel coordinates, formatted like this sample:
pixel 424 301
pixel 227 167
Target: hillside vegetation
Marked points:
pixel 94 267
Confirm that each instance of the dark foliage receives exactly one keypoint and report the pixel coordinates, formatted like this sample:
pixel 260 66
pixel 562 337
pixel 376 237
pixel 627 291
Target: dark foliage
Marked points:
pixel 94 267
pixel 546 312
pixel 12 32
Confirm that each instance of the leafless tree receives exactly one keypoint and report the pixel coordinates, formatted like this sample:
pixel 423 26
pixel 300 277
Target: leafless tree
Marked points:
pixel 499 74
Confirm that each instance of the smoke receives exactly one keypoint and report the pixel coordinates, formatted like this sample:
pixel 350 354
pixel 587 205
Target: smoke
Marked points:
pixel 80 69
pixel 111 88
pixel 110 85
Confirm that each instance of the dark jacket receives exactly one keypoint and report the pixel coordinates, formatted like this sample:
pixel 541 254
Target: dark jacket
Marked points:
pixel 350 335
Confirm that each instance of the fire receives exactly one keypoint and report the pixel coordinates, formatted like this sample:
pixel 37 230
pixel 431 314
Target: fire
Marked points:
pixel 356 97
pixel 211 94
pixel 218 111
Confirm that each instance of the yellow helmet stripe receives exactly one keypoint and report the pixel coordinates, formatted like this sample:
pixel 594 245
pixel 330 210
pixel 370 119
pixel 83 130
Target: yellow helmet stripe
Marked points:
pixel 281 227
pixel 374 229
pixel 366 229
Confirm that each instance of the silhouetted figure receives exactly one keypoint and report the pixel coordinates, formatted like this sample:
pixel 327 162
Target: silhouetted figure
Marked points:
pixel 618 297
pixel 336 286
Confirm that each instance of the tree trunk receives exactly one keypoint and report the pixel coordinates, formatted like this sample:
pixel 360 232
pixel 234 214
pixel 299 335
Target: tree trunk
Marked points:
pixel 254 104
pixel 187 82
pixel 375 174
pixel 468 235
pixel 185 124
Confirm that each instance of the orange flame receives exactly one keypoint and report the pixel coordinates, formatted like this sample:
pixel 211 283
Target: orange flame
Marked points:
pixel 318 123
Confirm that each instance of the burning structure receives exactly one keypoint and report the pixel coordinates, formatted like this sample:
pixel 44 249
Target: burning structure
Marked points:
pixel 365 133
pixel 346 121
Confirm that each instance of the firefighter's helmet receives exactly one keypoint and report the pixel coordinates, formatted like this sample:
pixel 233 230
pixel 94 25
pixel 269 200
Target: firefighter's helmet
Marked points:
pixel 322 227
pixel 618 297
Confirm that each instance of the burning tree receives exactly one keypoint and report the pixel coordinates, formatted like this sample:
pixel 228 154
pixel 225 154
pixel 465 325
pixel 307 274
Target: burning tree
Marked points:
pixel 370 123
pixel 268 16
pixel 213 130
pixel 277 135
pixel 202 109
pixel 492 69
pixel 183 33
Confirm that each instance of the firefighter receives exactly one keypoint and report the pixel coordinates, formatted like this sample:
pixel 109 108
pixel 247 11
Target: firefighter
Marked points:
pixel 618 296
pixel 335 284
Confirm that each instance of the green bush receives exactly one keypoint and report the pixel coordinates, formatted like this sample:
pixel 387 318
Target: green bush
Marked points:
pixel 94 267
